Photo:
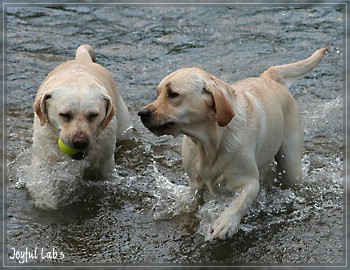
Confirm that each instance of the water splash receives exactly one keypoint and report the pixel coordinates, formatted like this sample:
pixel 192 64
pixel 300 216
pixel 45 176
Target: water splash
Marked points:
pixel 171 199
pixel 213 206
pixel 51 185
pixel 276 206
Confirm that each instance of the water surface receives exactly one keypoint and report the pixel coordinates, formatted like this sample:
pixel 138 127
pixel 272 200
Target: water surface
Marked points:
pixel 143 213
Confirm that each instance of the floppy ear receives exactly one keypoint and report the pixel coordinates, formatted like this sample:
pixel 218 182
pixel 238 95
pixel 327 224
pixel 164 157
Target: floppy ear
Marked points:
pixel 110 112
pixel 223 109
pixel 40 106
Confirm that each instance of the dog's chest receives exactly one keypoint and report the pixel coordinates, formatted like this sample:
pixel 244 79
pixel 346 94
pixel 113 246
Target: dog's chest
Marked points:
pixel 210 174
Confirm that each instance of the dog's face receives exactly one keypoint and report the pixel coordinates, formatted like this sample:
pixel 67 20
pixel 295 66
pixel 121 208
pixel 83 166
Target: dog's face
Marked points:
pixel 78 115
pixel 187 98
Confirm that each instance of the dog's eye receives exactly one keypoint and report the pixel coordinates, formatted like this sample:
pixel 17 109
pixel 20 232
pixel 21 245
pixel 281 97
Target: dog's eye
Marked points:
pixel 172 94
pixel 66 116
pixel 92 116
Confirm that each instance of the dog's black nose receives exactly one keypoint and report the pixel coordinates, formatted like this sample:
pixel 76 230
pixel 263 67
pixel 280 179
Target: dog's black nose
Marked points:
pixel 145 113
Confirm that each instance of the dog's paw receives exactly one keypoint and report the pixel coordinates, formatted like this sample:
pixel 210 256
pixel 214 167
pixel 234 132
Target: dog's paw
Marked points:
pixel 224 227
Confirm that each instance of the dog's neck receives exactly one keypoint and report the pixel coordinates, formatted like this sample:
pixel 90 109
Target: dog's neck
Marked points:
pixel 213 140
pixel 208 140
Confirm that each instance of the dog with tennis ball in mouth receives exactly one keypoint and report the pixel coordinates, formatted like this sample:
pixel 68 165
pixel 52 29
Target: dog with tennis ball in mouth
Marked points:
pixel 79 115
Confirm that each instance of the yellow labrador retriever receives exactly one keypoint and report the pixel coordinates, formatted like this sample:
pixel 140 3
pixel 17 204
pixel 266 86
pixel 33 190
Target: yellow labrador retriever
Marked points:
pixel 79 103
pixel 232 132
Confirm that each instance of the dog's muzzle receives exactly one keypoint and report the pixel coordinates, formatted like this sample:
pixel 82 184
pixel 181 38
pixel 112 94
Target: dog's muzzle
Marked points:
pixel 158 128
pixel 81 142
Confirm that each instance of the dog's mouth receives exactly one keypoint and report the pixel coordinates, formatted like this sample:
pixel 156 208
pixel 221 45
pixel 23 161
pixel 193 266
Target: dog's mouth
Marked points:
pixel 74 152
pixel 76 147
pixel 164 129
pixel 157 126
pixel 79 155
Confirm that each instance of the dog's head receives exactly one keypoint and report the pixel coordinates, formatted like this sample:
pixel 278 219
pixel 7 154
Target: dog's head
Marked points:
pixel 78 115
pixel 188 98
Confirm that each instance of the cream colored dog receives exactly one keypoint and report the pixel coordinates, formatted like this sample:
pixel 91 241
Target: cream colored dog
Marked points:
pixel 79 103
pixel 232 132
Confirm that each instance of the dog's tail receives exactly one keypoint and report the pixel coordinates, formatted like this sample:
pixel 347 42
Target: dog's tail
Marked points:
pixel 85 52
pixel 286 74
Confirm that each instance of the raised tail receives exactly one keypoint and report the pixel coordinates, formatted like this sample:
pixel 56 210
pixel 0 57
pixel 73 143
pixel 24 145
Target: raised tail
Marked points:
pixel 85 52
pixel 286 74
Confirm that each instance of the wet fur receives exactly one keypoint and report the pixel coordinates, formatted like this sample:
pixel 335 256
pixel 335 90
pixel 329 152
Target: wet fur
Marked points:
pixel 232 132
pixel 78 102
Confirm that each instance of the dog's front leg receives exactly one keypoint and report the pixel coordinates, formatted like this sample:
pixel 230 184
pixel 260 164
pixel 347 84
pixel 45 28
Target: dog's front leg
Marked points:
pixel 226 224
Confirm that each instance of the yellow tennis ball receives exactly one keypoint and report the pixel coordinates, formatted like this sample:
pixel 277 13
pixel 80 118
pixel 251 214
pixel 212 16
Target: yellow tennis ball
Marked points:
pixel 66 149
